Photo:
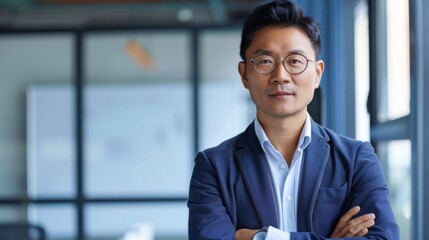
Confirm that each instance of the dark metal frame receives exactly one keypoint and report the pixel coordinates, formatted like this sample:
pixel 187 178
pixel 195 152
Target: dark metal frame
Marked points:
pixel 419 118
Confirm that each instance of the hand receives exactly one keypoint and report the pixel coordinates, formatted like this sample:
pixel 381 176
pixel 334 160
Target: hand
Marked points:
pixel 357 227
pixel 245 234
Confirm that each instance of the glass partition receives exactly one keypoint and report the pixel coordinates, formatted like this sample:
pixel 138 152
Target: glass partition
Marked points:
pixel 395 156
pixel 394 91
pixel 361 70
pixel 141 221
pixel 29 159
pixel 138 114
pixel 225 106
pixel 58 220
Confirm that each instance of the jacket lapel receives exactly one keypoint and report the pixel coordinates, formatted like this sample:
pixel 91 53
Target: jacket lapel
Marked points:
pixel 255 171
pixel 313 167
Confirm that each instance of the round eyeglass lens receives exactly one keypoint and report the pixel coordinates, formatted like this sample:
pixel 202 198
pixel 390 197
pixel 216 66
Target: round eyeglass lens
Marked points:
pixel 264 64
pixel 295 63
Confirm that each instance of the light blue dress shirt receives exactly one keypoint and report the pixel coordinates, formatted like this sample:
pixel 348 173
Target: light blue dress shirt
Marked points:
pixel 285 180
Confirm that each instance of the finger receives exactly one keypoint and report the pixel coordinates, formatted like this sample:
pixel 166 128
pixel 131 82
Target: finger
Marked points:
pixel 352 227
pixel 344 219
pixel 362 232
pixel 361 219
pixel 355 230
pixel 348 215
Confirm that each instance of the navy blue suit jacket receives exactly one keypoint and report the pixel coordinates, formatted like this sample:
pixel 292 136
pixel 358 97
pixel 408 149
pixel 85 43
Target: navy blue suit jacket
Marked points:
pixel 231 188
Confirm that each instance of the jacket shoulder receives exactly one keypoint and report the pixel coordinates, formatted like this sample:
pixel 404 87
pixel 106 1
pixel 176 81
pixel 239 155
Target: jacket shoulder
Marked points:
pixel 227 145
pixel 336 139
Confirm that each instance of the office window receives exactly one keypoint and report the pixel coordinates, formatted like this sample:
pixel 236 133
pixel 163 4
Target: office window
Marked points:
pixel 394 91
pixel 12 213
pixel 51 148
pixel 395 156
pixel 225 106
pixel 58 220
pixel 390 109
pixel 138 118
pixel 361 70
pixel 160 220
pixel 26 61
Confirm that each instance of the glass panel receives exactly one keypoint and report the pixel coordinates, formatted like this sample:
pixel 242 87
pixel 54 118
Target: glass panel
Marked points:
pixel 137 57
pixel 13 213
pixel 138 117
pixel 51 145
pixel 158 220
pixel 397 97
pixel 221 91
pixel 395 156
pixel 58 220
pixel 28 60
pixel 362 70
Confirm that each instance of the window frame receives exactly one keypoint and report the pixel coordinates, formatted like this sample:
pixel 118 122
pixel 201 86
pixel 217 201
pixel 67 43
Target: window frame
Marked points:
pixel 411 126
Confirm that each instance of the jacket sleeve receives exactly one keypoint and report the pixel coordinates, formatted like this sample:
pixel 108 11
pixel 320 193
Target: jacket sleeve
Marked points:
pixel 208 217
pixel 368 190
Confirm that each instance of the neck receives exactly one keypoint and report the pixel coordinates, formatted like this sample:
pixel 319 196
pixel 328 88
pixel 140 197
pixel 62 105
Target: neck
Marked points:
pixel 284 133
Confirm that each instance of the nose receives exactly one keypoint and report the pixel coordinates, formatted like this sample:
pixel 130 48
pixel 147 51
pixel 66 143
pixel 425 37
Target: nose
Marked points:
pixel 280 75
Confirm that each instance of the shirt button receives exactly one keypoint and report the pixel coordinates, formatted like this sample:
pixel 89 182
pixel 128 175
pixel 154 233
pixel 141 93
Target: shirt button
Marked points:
pixel 289 198
pixel 283 167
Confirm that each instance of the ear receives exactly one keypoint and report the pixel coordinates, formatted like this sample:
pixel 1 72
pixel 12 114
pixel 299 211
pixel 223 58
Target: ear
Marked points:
pixel 320 67
pixel 242 72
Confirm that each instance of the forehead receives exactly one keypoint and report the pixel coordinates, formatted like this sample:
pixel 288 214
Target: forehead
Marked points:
pixel 280 40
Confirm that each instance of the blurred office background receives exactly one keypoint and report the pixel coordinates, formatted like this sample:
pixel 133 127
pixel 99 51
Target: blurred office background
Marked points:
pixel 104 104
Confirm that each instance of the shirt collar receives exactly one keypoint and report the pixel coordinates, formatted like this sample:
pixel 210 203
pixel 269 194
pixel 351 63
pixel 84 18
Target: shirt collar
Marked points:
pixel 304 139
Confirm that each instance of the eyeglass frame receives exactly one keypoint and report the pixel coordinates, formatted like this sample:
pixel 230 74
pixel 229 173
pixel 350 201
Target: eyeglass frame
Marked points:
pixel 283 63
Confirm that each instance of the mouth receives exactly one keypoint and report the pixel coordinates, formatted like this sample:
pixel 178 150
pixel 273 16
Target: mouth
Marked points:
pixel 281 94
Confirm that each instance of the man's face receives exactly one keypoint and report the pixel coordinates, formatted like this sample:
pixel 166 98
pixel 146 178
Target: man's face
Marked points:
pixel 281 94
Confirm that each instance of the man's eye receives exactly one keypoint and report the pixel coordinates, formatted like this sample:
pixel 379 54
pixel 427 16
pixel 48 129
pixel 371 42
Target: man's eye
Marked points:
pixel 294 61
pixel 265 61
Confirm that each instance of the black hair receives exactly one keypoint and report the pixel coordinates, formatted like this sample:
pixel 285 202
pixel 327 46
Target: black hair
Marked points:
pixel 280 13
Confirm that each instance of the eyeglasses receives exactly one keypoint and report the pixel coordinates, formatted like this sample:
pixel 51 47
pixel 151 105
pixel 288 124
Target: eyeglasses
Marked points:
pixel 294 63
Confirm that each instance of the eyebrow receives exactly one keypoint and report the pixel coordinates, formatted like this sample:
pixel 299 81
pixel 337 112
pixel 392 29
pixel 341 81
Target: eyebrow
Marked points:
pixel 262 51
pixel 266 51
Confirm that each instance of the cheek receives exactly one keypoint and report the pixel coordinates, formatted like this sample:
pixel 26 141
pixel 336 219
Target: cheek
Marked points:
pixel 307 88
pixel 308 82
pixel 254 90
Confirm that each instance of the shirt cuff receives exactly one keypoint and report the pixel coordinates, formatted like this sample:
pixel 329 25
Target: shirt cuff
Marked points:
pixel 277 234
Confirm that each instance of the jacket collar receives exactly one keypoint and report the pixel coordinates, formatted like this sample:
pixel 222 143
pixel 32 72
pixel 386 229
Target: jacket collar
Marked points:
pixel 316 156
pixel 256 174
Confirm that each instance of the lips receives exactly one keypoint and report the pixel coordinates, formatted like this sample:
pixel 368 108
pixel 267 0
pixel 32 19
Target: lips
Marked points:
pixel 281 93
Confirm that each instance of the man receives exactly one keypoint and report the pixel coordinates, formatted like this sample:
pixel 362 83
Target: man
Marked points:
pixel 285 176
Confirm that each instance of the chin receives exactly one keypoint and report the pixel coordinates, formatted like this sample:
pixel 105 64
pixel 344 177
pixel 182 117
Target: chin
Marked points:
pixel 289 113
